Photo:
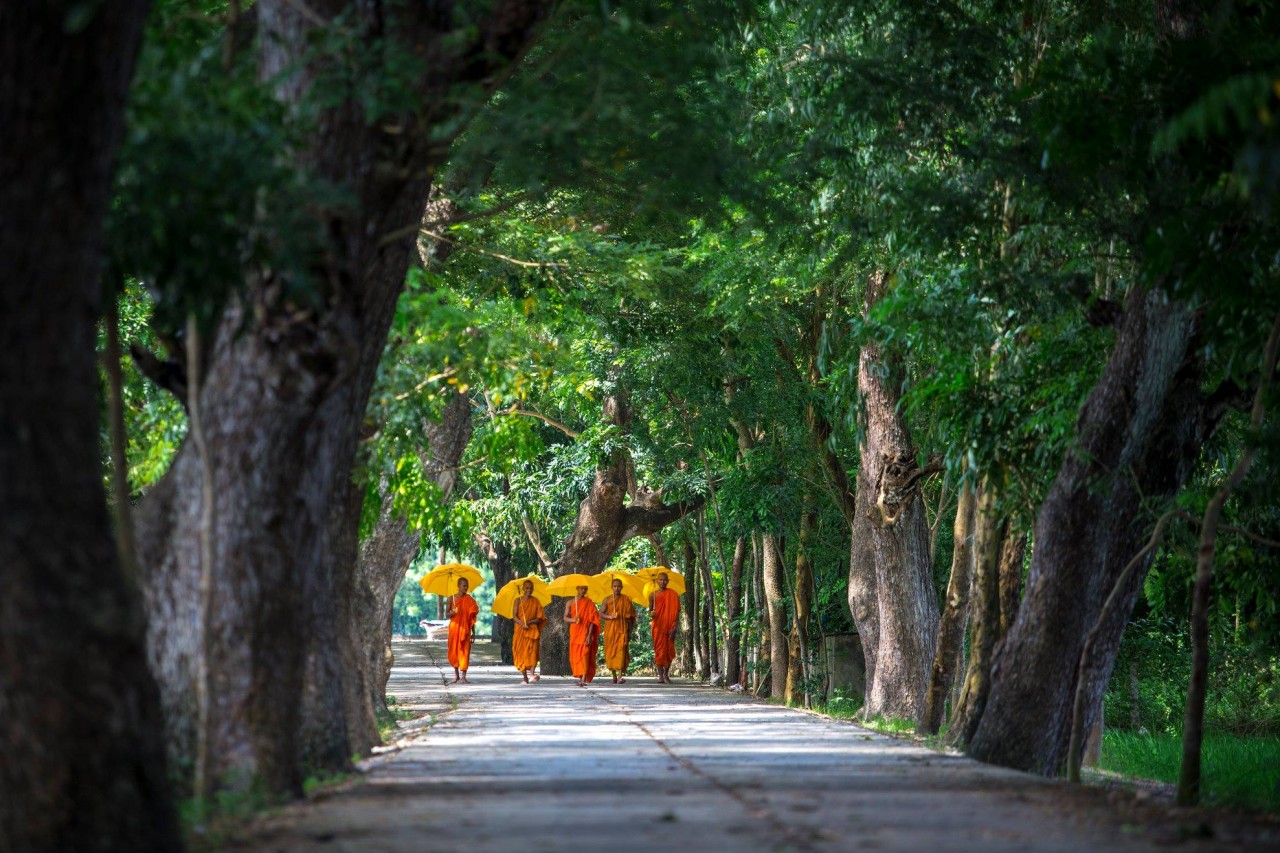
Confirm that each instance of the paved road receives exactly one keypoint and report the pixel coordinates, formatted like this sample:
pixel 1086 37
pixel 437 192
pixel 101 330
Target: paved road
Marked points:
pixel 550 767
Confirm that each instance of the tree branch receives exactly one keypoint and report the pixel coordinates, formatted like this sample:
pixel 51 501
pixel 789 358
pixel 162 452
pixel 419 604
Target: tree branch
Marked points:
pixel 516 410
pixel 535 540
pixel 167 373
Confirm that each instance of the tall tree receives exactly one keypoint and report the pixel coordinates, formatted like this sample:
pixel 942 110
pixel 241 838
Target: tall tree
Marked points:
pixel 889 570
pixel 285 387
pixel 83 768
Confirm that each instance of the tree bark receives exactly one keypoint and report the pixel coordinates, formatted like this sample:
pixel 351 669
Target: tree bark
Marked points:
pixel 1012 555
pixel 797 691
pixel 381 564
pixel 775 603
pixel 690 652
pixel 733 614
pixel 984 623
pixel 82 768
pixel 284 397
pixel 499 556
pixel 709 603
pixel 954 617
pixel 1139 434
pixel 763 643
pixel 698 609
pixel 384 558
pixel 891 592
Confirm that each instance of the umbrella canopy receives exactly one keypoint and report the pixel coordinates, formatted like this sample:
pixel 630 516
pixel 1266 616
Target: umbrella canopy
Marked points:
pixel 601 587
pixel 566 586
pixel 443 580
pixel 675 580
pixel 504 602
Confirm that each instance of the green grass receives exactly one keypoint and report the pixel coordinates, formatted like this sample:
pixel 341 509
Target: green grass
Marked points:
pixel 839 707
pixel 389 728
pixel 1237 771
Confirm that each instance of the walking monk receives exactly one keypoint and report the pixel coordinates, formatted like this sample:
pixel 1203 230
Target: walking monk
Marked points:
pixel 462 611
pixel 584 636
pixel 526 639
pixel 664 611
pixel 619 616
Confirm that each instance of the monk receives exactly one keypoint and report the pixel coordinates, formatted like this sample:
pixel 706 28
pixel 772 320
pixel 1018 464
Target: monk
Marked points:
pixel 664 611
pixel 584 636
pixel 619 616
pixel 526 638
pixel 462 611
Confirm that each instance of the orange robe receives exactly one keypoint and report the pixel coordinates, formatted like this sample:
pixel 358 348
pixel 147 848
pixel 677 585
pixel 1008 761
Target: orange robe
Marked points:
pixel 665 615
pixel 526 642
pixel 582 654
pixel 617 655
pixel 462 626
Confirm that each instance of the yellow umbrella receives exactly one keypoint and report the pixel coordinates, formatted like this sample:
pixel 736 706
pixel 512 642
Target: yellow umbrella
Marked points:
pixel 504 603
pixel 566 586
pixel 675 580
pixel 443 580
pixel 632 587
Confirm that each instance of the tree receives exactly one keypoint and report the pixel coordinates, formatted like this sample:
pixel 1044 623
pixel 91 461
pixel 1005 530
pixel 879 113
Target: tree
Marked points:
pixel 283 388
pixel 82 767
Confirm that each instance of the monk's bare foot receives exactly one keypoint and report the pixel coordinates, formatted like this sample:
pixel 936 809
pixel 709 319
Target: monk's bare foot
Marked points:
pixel 615 679
pixel 537 677
pixel 621 680
pixel 464 680
pixel 455 680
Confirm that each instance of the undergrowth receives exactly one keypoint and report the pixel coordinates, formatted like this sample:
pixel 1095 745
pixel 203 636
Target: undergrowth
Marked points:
pixel 1242 772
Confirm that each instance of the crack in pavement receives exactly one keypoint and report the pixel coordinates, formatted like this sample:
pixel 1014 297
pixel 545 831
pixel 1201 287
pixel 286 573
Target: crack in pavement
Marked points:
pixel 785 833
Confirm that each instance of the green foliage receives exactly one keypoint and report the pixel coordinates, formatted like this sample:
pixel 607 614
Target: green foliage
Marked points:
pixel 208 187
pixel 155 422
pixel 1244 686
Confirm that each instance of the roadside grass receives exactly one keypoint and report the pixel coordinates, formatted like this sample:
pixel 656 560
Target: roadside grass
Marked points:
pixel 1241 772
pixel 389 726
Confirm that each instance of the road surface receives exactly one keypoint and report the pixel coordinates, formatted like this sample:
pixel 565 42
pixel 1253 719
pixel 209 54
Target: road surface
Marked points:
pixel 641 766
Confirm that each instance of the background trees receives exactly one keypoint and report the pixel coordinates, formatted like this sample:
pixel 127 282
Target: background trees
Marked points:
pixel 833 308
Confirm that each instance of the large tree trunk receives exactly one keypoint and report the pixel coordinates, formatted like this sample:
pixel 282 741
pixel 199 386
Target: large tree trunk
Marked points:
pixel 889 570
pixel 775 602
pixel 690 654
pixel 380 567
pixel 283 398
pixel 709 606
pixel 1139 434
pixel 1012 556
pixel 984 632
pixel 732 614
pixel 798 642
pixel 384 557
pixel 954 616
pixel 82 768
pixel 499 556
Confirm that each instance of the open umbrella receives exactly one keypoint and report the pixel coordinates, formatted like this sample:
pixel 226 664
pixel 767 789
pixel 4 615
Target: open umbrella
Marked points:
pixel 443 580
pixel 566 586
pixel 601 587
pixel 504 602
pixel 675 580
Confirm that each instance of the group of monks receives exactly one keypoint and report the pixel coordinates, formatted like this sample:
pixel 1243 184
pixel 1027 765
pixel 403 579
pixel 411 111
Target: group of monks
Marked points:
pixel 584 619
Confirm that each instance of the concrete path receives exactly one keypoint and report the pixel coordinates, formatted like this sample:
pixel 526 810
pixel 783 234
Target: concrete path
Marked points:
pixel 550 767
